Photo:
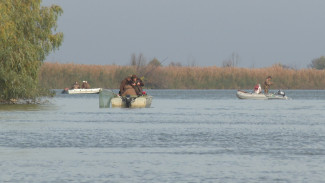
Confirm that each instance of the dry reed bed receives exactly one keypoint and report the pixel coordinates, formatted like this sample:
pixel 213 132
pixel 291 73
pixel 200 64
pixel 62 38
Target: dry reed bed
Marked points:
pixel 56 75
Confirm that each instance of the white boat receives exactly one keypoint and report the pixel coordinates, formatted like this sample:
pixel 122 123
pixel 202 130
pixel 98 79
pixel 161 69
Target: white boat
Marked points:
pixel 132 101
pixel 261 96
pixel 83 91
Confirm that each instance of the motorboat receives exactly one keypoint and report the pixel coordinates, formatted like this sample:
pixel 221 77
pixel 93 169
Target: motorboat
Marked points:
pixel 82 91
pixel 261 96
pixel 109 99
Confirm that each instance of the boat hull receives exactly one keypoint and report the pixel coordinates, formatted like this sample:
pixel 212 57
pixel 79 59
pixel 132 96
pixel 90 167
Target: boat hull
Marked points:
pixel 135 102
pixel 261 96
pixel 85 91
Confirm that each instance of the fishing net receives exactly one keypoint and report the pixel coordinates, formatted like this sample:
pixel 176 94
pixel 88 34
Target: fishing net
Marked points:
pixel 105 97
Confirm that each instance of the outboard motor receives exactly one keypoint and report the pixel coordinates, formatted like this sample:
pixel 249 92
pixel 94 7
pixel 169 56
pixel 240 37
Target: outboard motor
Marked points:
pixel 281 93
pixel 65 91
pixel 128 100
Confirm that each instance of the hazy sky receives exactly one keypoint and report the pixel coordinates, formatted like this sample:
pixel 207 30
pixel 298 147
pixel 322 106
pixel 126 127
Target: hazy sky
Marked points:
pixel 205 32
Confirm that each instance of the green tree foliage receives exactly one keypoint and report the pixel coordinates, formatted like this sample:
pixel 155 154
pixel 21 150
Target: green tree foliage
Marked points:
pixel 155 62
pixel 26 38
pixel 318 63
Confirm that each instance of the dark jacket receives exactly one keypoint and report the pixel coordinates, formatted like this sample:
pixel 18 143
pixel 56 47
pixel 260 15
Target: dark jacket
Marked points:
pixel 138 86
pixel 75 86
pixel 85 86
pixel 126 81
pixel 140 81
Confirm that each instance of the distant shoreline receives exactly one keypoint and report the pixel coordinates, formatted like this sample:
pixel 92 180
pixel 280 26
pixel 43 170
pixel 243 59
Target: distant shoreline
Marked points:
pixel 57 75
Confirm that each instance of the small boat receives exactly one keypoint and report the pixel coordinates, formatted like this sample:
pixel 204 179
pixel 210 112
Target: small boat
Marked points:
pixel 82 91
pixel 108 98
pixel 132 101
pixel 261 96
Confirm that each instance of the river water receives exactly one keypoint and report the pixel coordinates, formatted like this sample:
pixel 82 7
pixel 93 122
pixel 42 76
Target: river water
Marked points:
pixel 185 136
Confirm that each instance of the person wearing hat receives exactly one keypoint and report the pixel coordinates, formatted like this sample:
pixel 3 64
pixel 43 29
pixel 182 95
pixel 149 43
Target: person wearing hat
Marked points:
pixel 267 84
pixel 85 85
pixel 137 84
pixel 75 85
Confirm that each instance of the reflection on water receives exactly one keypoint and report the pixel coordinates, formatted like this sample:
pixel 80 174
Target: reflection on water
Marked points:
pixel 26 107
pixel 186 136
pixel 43 104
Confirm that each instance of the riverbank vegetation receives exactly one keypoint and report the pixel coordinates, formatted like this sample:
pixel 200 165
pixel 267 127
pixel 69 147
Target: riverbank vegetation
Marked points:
pixel 155 76
pixel 26 38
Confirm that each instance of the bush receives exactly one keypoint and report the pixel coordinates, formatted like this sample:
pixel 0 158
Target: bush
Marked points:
pixel 318 63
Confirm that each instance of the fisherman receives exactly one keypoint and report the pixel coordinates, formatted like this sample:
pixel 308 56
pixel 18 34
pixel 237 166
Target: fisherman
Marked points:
pixel 75 85
pixel 126 81
pixel 267 84
pixel 257 89
pixel 85 85
pixel 137 84
pixel 129 90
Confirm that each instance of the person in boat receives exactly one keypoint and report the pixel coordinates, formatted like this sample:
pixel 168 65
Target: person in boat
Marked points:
pixel 75 85
pixel 267 84
pixel 85 85
pixel 126 81
pixel 137 84
pixel 129 90
pixel 257 89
